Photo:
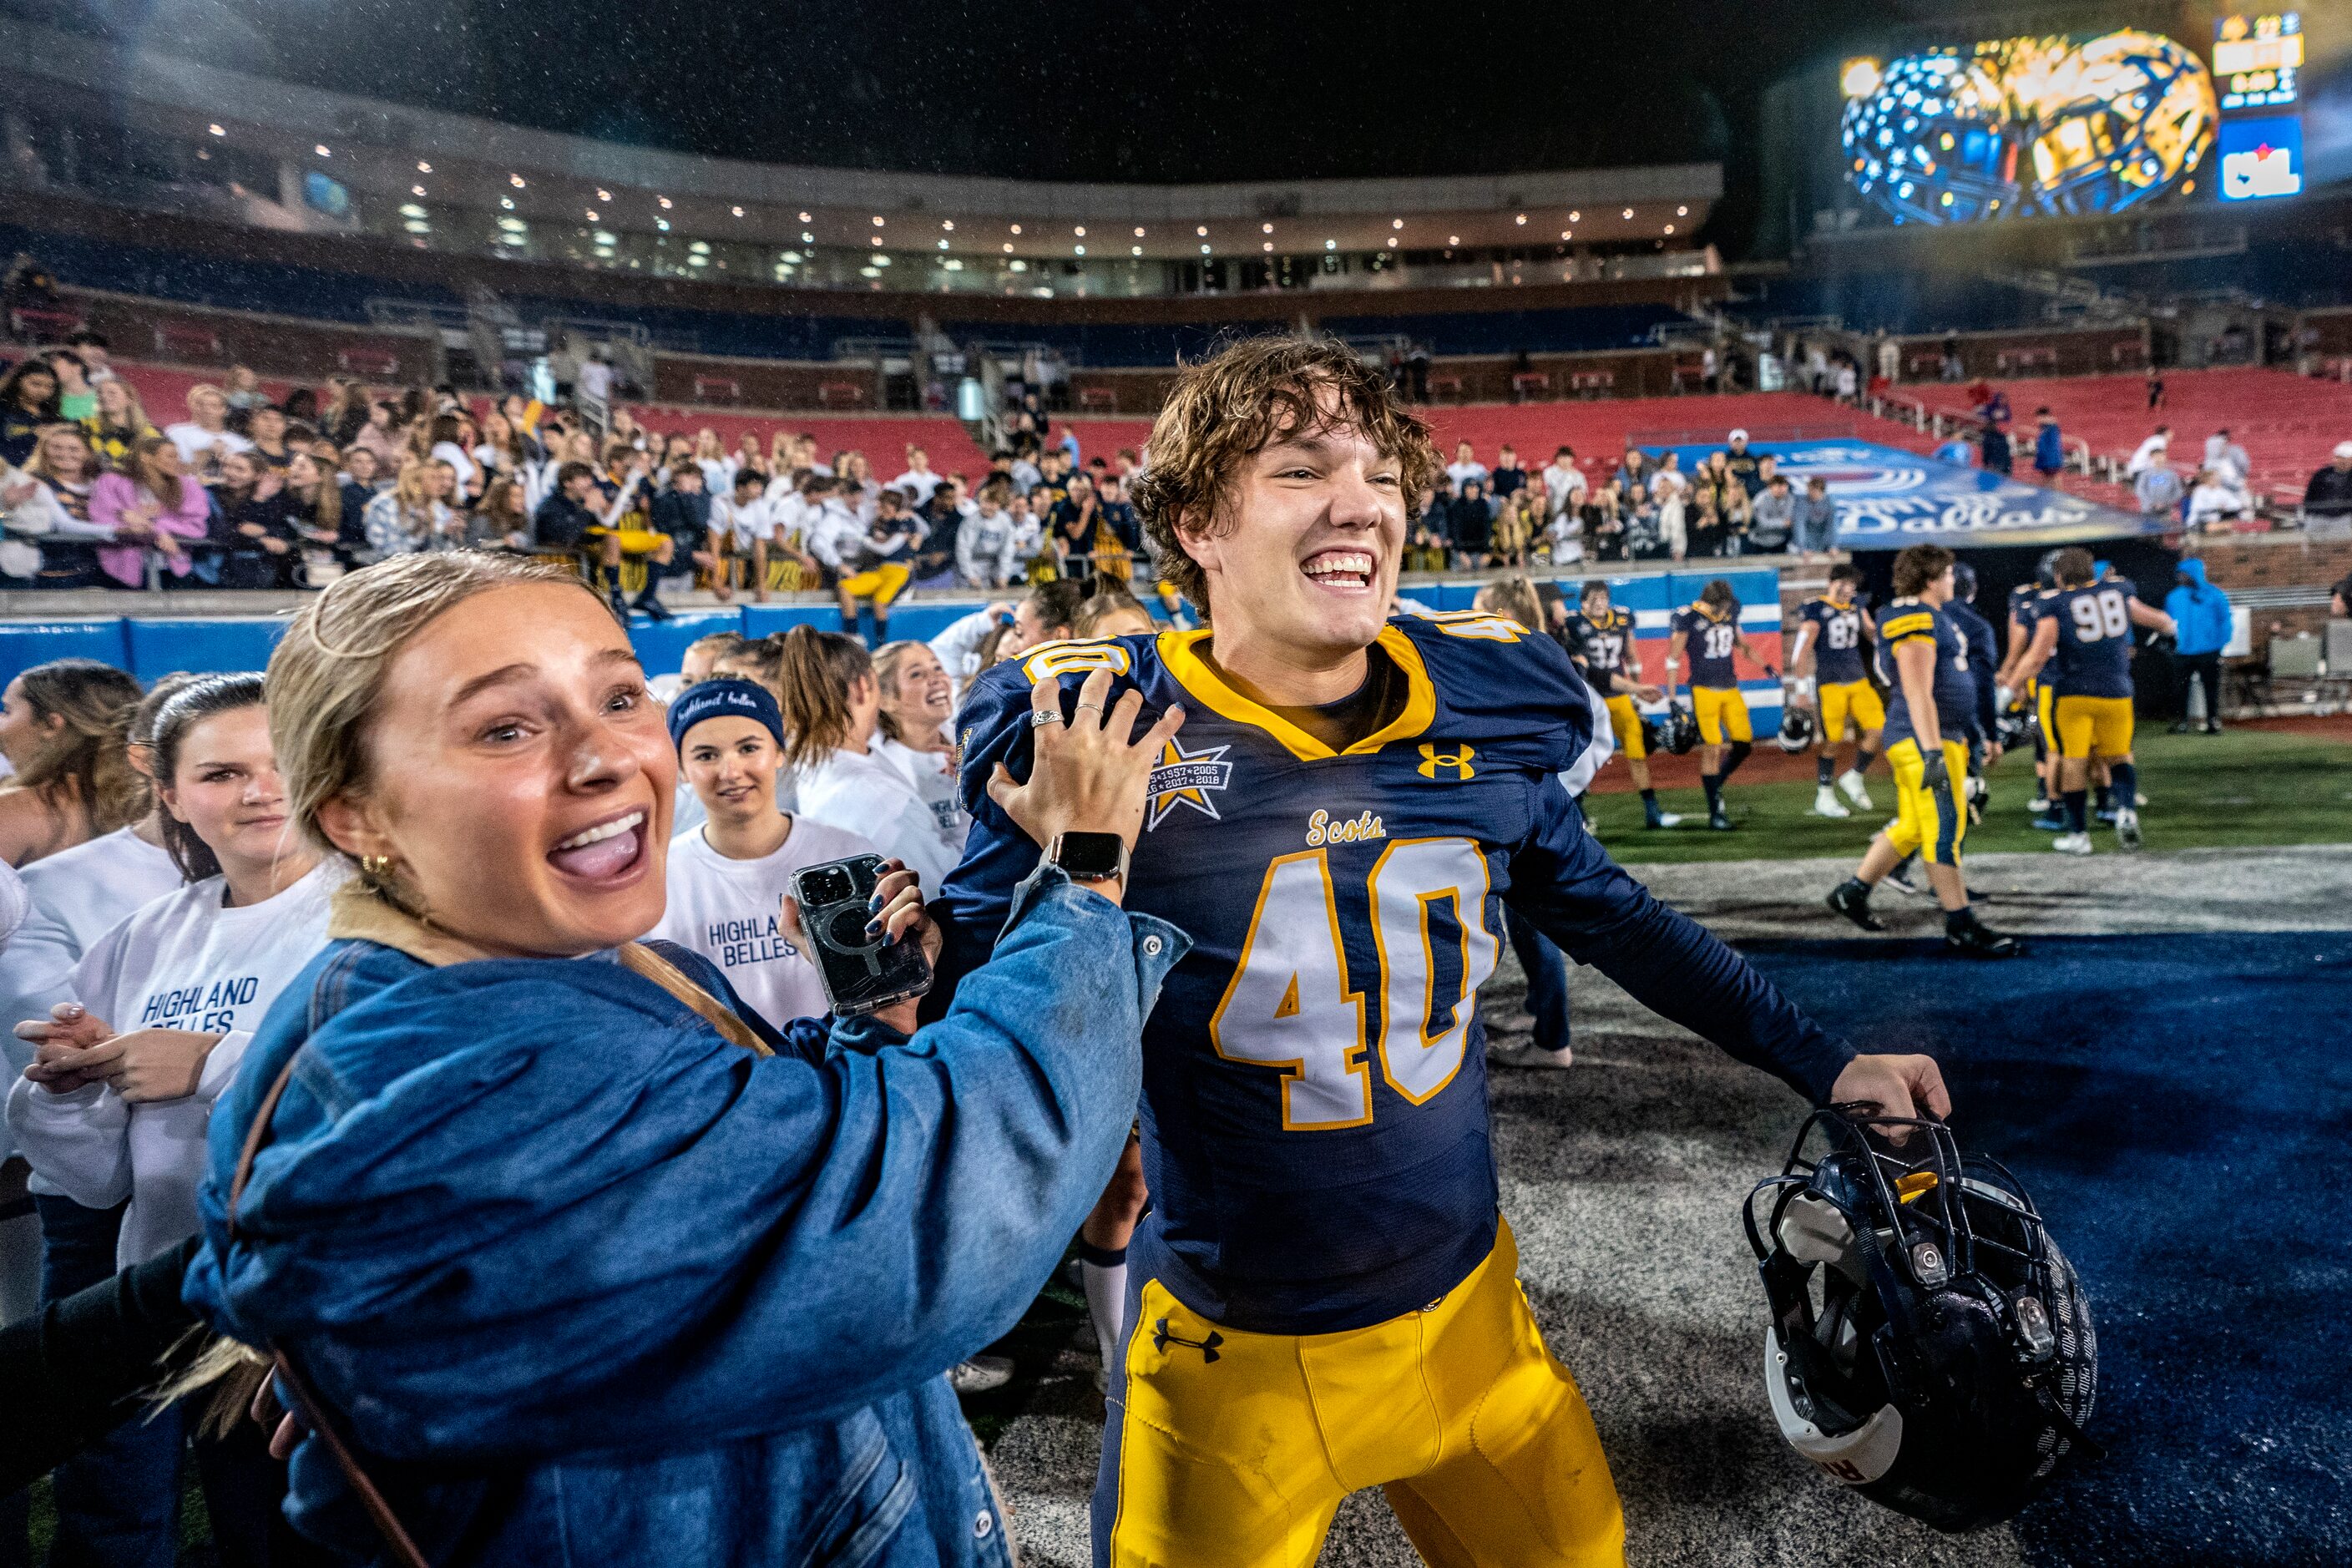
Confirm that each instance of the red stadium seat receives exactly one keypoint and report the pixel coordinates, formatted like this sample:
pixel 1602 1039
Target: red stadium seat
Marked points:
pixel 1102 398
pixel 717 389
pixel 42 324
pixel 1530 384
pixel 1592 382
pixel 2041 359
pixel 841 394
pixel 1445 386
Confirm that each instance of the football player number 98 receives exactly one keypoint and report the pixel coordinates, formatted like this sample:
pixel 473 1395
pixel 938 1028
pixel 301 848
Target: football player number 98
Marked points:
pixel 1289 1005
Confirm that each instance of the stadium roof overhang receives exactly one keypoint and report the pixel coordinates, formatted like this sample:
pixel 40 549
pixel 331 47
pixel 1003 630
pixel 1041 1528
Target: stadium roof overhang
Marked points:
pixel 376 148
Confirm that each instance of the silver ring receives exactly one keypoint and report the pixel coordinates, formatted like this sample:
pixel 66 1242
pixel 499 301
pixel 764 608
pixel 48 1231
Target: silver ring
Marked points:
pixel 1084 707
pixel 1044 716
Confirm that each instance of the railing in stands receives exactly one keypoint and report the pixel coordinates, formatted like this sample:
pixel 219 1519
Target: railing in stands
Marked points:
pixel 1832 430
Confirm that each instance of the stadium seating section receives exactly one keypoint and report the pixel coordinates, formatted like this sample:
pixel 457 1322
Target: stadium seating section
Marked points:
pixel 2287 423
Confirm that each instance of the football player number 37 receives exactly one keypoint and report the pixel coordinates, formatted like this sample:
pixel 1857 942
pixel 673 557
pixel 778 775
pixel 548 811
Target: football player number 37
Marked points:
pixel 1290 1005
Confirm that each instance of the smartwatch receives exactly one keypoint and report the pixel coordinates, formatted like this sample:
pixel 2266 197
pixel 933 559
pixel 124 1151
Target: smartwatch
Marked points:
pixel 1089 857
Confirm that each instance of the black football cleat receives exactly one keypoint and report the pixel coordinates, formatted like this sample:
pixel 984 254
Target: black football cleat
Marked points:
pixel 1851 899
pixel 1721 822
pixel 1979 941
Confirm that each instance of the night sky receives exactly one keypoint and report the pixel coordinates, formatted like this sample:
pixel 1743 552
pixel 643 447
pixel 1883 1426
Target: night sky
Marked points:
pixel 1145 91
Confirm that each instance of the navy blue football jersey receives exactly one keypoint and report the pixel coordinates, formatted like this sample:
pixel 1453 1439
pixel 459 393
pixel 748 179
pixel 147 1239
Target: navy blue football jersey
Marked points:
pixel 1908 620
pixel 1709 646
pixel 1605 644
pixel 2095 639
pixel 1837 641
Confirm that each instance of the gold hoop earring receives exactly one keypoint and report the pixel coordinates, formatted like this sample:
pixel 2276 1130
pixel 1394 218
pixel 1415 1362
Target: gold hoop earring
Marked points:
pixel 376 865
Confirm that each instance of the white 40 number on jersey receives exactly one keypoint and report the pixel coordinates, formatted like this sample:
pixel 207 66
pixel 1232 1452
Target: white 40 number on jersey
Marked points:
pixel 1289 1005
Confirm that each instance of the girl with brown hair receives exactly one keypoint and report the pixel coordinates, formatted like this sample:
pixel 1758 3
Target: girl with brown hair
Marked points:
pixel 832 703
pixel 61 729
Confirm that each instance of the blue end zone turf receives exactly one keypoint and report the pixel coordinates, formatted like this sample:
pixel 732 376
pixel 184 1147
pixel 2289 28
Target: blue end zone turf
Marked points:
pixel 2180 1108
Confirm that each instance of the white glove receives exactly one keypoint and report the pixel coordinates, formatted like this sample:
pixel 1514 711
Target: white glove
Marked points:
pixel 2001 698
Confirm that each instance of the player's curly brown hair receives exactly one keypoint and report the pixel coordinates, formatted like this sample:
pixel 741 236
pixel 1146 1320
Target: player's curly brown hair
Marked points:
pixel 1237 402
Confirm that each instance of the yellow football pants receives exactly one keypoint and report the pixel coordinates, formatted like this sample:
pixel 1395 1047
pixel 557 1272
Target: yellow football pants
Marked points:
pixel 1626 723
pixel 1476 1433
pixel 2101 724
pixel 1932 821
pixel 1855 700
pixel 882 584
pixel 1722 714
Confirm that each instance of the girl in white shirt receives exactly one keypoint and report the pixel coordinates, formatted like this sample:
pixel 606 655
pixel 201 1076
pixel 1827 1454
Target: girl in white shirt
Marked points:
pixel 107 1115
pixel 918 708
pixel 726 878
pixel 832 705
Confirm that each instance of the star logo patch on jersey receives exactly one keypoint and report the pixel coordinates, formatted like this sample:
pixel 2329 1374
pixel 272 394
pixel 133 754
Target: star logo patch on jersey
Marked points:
pixel 1186 778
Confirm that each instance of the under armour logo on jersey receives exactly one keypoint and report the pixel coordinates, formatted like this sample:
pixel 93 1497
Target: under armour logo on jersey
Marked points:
pixel 1161 1339
pixel 1431 759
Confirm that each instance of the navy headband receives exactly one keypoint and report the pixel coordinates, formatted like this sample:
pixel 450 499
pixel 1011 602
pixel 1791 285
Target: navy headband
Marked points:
pixel 725 698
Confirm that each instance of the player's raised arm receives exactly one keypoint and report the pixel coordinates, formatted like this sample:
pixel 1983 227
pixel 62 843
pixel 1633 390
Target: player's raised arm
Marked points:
pixel 2150 617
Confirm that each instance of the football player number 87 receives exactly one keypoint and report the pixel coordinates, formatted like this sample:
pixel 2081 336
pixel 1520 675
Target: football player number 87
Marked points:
pixel 1289 1005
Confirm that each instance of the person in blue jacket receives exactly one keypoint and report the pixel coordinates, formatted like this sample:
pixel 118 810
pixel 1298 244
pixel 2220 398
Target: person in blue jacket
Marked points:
pixel 586 1262
pixel 2202 612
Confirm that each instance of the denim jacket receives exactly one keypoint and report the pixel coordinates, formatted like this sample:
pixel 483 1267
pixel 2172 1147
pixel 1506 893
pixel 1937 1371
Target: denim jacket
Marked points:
pixel 586 1283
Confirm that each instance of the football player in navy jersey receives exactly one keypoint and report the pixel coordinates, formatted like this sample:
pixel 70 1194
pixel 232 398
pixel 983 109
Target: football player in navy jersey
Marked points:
pixel 1929 723
pixel 1700 640
pixel 2087 628
pixel 1836 627
pixel 1323 1297
pixel 2025 602
pixel 1600 640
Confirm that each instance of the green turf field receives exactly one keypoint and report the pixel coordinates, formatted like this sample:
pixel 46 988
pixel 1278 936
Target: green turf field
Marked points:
pixel 2244 787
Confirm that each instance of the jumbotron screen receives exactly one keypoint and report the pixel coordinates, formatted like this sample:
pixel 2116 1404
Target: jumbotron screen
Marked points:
pixel 2030 127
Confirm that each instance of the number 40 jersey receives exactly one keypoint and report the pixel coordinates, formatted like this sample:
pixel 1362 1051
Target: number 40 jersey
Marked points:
pixel 1313 1114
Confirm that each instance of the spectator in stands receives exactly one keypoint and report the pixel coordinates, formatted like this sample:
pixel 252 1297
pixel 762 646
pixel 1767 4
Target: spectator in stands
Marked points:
pixel 1565 486
pixel 1670 491
pixel 156 511
pixel 2228 460
pixel 1518 522
pixel 1992 447
pixel 502 451
pixel 255 544
pixel 682 512
pixel 503 520
pixel 1466 465
pixel 118 423
pixel 984 542
pixel 313 502
pixel 451 437
pixel 1563 537
pixel 346 411
pixel 1849 381
pixel 1470 526
pixel 46 511
pixel 203 437
pixel 2155 389
pixel 2201 612
pixel 596 384
pixel 1772 518
pixel 1633 475
pixel 96 351
pixel 416 513
pixel 266 428
pixel 1424 547
pixel 2048 446
pixel 2329 491
pixel 1603 516
pixel 2155 449
pixel 2212 498
pixel 77 400
pixel 1743 465
pixel 1509 477
pixel 361 478
pixel 919 480
pixel 2158 489
pixel 29 401
pixel 244 391
pixel 381 434
pixel 561 521
pixel 2339 598
pixel 1814 521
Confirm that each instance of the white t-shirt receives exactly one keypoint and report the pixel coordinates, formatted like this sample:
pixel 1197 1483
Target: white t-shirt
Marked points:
pixel 183 962
pixel 727 911
pixel 921 484
pixel 749 521
pixel 933 775
pixel 596 380
pixel 1463 473
pixel 78 895
pixel 870 795
pixel 194 440
pixel 457 457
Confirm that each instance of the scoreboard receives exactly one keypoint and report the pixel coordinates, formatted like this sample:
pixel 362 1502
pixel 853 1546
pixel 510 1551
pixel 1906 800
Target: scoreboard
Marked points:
pixel 2257 78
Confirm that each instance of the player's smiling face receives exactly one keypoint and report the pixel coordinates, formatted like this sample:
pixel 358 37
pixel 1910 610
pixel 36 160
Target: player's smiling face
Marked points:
pixel 1308 560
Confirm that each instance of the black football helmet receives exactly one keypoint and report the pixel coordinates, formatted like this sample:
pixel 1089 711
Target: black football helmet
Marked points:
pixel 1796 728
pixel 1930 1346
pixel 1680 729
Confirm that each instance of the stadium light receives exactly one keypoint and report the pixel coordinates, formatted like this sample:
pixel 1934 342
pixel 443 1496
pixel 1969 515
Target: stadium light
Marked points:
pixel 602 194
pixel 948 224
pixel 807 238
pixel 662 224
pixel 1139 233
pixel 1080 231
pixel 805 218
pixel 1396 223
pixel 1392 242
pixel 593 217
pixel 416 190
pixel 1204 250
pixel 1453 239
pixel 1016 228
pixel 1670 228
pixel 738 211
pixel 1135 250
pixel 1008 248
pixel 943 245
pixel 1079 248
pixel 665 202
pixel 877 220
pixel 515 180
pixel 1330 245
pixel 1522 220
pixel 1200 231
pixel 1576 217
pixel 1629 212
pixel 322 150
pixel 1682 212
pixel 216 130
pixel 1564 233
pixel 1265 228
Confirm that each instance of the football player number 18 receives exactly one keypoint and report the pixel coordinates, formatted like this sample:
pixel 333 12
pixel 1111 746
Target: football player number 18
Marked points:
pixel 1290 1005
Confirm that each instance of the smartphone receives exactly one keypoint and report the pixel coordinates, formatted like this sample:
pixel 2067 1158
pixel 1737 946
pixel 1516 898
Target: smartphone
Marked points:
pixel 860 972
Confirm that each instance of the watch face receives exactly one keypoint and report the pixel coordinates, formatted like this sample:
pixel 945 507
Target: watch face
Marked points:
pixel 1090 857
